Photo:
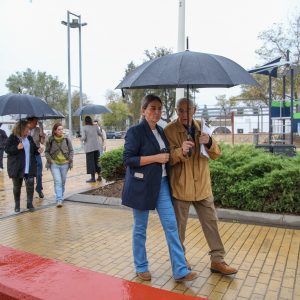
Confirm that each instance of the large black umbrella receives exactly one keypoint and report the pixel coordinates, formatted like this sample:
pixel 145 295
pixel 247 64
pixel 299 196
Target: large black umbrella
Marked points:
pixel 24 104
pixel 54 115
pixel 91 109
pixel 187 69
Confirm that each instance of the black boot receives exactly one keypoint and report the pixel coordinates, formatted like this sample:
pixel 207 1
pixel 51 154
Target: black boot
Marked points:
pixel 17 206
pixel 92 178
pixel 30 206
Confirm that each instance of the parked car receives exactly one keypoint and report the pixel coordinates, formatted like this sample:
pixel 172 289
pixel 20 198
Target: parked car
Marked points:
pixel 115 134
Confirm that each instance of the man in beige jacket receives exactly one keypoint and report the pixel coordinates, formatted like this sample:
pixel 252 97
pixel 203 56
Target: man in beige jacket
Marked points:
pixel 190 180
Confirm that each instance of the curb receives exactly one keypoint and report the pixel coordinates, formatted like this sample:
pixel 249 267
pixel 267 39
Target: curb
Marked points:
pixel 259 218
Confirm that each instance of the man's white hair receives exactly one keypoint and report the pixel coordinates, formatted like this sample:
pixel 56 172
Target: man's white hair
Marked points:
pixel 191 102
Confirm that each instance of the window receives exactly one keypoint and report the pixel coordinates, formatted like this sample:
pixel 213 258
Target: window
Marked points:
pixel 240 130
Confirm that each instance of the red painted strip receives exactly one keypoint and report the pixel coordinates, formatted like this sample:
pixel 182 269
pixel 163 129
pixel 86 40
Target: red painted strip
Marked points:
pixel 27 276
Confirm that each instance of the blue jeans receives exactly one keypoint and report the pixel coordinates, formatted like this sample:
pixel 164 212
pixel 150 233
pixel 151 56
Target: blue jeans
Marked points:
pixel 39 173
pixel 167 217
pixel 59 173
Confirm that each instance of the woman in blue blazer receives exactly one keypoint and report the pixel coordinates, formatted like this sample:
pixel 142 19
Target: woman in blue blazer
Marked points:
pixel 146 188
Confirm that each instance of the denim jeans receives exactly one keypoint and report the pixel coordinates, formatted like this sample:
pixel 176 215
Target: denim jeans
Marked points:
pixel 39 173
pixel 167 217
pixel 59 173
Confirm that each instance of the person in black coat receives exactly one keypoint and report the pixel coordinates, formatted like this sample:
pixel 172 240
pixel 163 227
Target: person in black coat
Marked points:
pixel 21 162
pixel 3 139
pixel 146 188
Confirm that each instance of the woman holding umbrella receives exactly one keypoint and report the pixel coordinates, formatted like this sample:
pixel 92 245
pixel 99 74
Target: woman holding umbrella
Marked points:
pixel 21 162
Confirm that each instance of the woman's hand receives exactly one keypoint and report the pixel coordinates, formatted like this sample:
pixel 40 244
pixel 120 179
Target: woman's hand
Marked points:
pixel 20 146
pixel 162 158
pixel 186 146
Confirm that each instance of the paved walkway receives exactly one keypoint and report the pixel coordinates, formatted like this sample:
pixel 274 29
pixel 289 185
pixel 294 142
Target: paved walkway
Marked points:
pixel 98 238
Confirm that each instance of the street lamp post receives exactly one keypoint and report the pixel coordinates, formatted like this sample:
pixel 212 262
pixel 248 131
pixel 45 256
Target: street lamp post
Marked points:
pixel 76 23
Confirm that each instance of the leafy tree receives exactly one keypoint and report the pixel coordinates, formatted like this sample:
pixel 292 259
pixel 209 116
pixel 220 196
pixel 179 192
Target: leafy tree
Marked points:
pixel 276 42
pixel 120 112
pixel 42 85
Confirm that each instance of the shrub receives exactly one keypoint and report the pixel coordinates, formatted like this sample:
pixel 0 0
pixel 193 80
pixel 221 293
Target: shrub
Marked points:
pixel 112 167
pixel 251 179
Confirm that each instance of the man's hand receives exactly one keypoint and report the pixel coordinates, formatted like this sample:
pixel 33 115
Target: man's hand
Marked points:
pixel 186 146
pixel 40 150
pixel 204 138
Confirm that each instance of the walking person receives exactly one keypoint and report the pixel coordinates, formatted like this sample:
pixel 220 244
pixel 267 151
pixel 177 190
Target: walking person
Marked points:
pixel 59 154
pixel 38 136
pixel 190 180
pixel 3 139
pixel 103 139
pixel 21 162
pixel 146 188
pixel 92 146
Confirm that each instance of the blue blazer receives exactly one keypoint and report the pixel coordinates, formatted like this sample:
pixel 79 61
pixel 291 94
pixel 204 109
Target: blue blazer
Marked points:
pixel 142 183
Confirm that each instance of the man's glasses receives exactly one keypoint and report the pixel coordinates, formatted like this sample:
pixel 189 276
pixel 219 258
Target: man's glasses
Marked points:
pixel 183 111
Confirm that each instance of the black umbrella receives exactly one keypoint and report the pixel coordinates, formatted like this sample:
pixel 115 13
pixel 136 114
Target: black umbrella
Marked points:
pixel 24 104
pixel 91 109
pixel 55 115
pixel 187 69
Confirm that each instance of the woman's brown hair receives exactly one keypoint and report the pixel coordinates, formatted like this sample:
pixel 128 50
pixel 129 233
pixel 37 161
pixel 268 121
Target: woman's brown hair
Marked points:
pixel 55 126
pixel 20 128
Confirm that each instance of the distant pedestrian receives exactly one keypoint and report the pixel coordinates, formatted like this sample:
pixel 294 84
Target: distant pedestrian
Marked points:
pixel 3 139
pixel 92 146
pixel 38 136
pixel 21 162
pixel 59 154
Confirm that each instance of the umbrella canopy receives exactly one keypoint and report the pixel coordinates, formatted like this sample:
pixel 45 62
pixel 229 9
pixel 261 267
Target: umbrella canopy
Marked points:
pixel 56 115
pixel 24 104
pixel 187 69
pixel 91 109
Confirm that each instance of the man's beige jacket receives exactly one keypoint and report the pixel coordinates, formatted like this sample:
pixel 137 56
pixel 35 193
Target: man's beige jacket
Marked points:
pixel 190 176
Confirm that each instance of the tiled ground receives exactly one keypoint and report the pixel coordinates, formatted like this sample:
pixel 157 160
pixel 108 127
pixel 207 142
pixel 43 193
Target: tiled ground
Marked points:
pixel 99 238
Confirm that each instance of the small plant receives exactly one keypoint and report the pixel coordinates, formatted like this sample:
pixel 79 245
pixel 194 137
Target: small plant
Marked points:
pixel 112 167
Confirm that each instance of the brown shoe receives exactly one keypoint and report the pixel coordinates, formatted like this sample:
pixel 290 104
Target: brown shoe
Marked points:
pixel 189 277
pixel 146 276
pixel 222 267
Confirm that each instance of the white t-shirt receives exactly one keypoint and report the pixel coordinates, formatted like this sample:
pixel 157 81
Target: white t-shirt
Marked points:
pixel 162 145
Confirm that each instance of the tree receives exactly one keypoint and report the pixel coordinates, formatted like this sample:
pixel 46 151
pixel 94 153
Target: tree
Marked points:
pixel 42 85
pixel 276 42
pixel 120 112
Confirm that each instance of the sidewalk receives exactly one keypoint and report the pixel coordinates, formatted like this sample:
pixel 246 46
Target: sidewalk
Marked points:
pixel 98 238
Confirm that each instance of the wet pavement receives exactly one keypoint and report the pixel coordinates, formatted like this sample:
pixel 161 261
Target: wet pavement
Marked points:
pixel 98 238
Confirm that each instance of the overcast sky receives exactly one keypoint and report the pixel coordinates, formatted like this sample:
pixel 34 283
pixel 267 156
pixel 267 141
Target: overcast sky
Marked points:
pixel 119 31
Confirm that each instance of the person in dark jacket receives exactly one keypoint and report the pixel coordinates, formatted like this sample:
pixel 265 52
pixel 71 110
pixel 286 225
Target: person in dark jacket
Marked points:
pixel 146 187
pixel 21 162
pixel 3 139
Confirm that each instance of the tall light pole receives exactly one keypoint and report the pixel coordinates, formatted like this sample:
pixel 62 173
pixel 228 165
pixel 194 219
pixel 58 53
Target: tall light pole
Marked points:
pixel 76 23
pixel 181 38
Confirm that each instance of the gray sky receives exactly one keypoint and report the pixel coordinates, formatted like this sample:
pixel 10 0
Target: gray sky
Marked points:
pixel 119 31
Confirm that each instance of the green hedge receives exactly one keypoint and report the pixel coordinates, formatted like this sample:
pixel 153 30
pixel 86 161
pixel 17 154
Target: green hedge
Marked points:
pixel 250 179
pixel 112 167
pixel 243 178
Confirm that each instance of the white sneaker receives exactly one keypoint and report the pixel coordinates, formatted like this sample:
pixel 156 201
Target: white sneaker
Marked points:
pixel 59 203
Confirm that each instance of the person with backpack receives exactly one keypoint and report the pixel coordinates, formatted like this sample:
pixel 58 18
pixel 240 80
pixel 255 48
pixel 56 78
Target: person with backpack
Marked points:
pixel 3 139
pixel 59 154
